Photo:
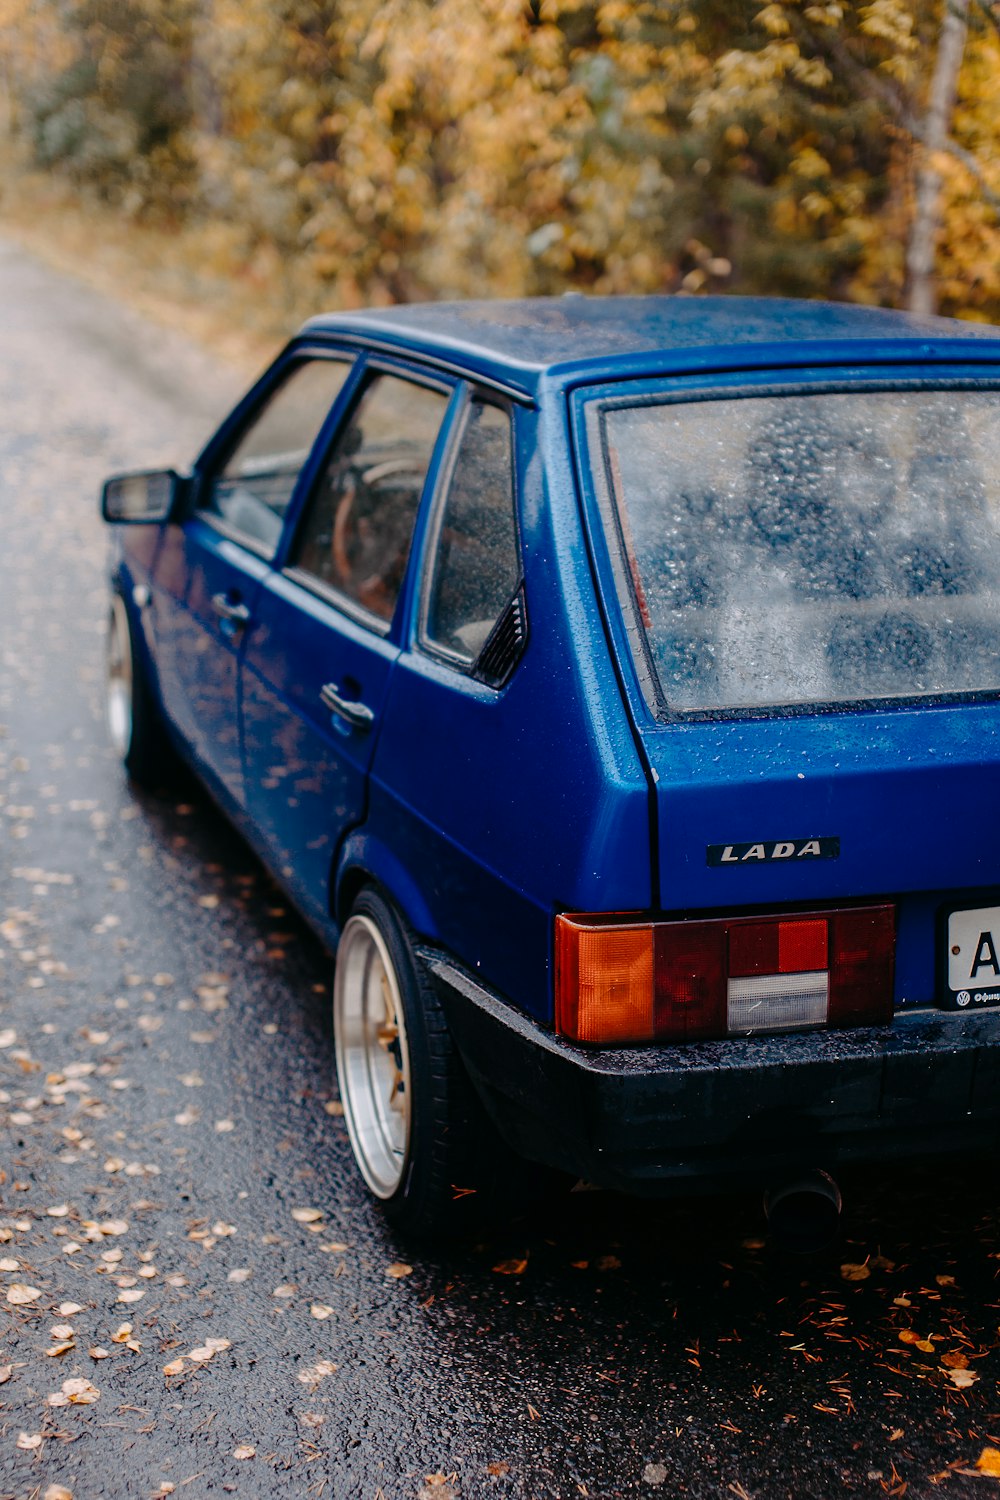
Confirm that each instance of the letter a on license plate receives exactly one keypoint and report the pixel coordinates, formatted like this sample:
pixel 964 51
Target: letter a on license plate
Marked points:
pixel 972 958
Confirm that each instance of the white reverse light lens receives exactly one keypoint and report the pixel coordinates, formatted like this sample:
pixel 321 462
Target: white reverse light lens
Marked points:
pixel 778 1002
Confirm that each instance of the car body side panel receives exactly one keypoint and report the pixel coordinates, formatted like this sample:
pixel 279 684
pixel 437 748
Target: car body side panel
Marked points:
pixel 506 805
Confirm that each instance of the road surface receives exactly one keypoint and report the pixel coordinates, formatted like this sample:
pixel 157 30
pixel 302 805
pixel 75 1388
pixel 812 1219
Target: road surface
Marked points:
pixel 181 1230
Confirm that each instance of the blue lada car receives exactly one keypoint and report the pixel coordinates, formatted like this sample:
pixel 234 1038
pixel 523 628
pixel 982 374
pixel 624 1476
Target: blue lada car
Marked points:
pixel 614 684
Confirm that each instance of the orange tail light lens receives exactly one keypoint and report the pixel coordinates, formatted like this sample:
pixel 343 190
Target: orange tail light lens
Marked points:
pixel 629 980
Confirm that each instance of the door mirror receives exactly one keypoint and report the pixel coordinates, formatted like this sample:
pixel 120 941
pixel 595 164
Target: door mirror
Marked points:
pixel 143 499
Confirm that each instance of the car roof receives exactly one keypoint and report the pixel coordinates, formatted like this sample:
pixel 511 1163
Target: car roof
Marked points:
pixel 578 339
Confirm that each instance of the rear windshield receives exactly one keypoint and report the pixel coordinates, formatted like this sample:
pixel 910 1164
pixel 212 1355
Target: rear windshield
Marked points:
pixel 812 548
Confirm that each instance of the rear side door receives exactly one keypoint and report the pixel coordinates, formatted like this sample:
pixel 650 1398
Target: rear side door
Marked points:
pixel 211 566
pixel 326 633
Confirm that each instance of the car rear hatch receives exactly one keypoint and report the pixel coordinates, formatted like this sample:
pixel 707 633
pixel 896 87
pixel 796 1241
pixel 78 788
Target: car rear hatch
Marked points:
pixel 802 571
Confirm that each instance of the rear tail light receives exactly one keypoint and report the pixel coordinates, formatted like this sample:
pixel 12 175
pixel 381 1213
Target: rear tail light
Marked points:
pixel 625 980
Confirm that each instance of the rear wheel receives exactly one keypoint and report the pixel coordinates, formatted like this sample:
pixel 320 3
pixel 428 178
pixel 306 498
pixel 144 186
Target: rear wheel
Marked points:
pixel 419 1134
pixel 135 723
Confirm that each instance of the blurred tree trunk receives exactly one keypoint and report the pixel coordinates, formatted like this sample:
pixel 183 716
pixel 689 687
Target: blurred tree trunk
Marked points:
pixel 921 292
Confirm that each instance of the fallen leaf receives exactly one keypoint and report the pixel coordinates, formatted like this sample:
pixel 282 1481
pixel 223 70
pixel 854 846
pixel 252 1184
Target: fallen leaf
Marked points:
pixel 285 1290
pixel 132 1294
pixel 306 1215
pixel 58 1349
pixel 955 1360
pixel 113 1227
pixel 224 1126
pixel 925 1346
pixel 208 902
pixel 949 1281
pixel 61 1331
pixel 59 1211
pixel 175 1367
pixel 97 1352
pixel 30 1442
pixel 851 1272
pixel 241 1273
pixel 511 1267
pixel 6 1371
pixel 962 1379
pixel 608 1263
pixel 8 1264
pixel 334 1107
pixel 244 1450
pixel 122 1334
pixel 57 1492
pixel 80 1392
pixel 202 1354
pixel 68 1309
pixel 907 1336
pixel 321 1311
pixel 20 1295
pixel 988 1462
pixel 8 1037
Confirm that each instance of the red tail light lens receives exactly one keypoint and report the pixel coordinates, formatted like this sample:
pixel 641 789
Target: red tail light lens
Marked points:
pixel 628 980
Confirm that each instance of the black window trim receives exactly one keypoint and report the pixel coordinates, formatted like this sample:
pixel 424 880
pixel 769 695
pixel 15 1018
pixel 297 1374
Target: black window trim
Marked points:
pixel 373 365
pixel 487 396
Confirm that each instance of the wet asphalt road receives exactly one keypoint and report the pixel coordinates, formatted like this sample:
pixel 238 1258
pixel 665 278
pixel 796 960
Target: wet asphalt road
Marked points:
pixel 168 1105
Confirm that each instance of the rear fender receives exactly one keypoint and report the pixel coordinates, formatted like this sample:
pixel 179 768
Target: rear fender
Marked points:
pixel 365 860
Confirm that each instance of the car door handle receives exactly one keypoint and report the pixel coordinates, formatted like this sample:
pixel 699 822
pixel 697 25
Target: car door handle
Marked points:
pixel 228 609
pixel 358 714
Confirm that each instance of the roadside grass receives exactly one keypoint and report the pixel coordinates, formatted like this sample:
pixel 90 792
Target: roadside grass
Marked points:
pixel 192 279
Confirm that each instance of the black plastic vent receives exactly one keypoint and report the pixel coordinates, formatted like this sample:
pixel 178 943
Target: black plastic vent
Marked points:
pixel 504 644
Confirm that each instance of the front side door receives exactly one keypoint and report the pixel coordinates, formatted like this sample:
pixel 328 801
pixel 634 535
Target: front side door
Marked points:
pixel 211 566
pixel 317 665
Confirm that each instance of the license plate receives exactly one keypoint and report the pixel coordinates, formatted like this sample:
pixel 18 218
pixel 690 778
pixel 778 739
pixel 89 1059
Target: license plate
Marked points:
pixel 972 966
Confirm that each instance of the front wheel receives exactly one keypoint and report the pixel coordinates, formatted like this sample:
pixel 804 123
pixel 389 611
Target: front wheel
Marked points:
pixel 418 1132
pixel 135 723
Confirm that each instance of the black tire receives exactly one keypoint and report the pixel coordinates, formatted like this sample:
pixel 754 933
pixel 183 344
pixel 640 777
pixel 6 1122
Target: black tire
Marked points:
pixel 454 1170
pixel 135 722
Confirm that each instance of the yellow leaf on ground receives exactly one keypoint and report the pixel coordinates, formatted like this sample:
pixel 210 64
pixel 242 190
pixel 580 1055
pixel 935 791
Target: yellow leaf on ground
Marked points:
pixel 988 1462
pixel 20 1295
pixel 512 1267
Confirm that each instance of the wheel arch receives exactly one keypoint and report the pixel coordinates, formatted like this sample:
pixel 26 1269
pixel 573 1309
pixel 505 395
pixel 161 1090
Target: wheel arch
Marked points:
pixel 365 860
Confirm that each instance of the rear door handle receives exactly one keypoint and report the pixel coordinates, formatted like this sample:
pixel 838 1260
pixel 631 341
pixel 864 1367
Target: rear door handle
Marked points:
pixel 358 714
pixel 229 609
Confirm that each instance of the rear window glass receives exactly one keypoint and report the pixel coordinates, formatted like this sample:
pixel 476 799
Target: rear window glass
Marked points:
pixel 812 548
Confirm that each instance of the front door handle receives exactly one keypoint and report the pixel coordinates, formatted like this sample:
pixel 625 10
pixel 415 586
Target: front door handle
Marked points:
pixel 358 714
pixel 230 610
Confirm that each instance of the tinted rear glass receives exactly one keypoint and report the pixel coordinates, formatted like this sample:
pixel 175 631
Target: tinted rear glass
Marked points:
pixel 813 548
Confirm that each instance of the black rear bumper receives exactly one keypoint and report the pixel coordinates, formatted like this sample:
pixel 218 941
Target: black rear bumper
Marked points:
pixel 655 1119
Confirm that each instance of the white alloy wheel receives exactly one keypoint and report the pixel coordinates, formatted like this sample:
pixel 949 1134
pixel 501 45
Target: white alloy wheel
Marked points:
pixel 373 1059
pixel 119 678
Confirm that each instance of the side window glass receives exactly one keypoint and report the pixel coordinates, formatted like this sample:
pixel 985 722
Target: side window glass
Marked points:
pixel 359 523
pixel 477 565
pixel 252 490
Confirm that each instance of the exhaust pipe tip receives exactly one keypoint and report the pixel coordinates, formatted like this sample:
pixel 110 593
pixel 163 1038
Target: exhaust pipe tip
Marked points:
pixel 803 1214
